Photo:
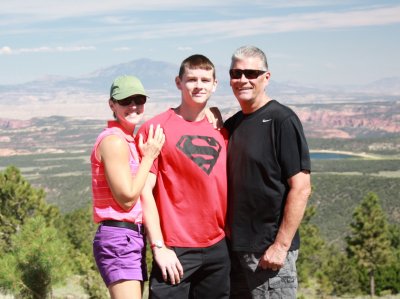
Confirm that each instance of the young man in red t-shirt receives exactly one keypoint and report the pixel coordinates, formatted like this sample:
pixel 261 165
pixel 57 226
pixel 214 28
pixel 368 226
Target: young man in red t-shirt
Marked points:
pixel 188 183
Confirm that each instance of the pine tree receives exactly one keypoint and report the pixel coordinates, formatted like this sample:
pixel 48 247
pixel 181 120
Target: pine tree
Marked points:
pixel 312 247
pixel 19 201
pixel 80 228
pixel 388 277
pixel 341 273
pixel 369 240
pixel 37 261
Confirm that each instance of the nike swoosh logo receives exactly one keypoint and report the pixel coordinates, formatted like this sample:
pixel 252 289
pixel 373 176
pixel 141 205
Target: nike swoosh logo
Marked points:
pixel 266 120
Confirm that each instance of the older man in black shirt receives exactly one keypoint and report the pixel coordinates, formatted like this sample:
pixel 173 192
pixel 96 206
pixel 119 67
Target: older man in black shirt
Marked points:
pixel 268 182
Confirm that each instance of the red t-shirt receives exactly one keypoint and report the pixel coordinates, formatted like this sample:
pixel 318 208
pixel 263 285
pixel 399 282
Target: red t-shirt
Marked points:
pixel 191 188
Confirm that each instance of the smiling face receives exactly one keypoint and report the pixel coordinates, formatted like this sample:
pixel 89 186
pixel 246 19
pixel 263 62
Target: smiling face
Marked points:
pixel 196 86
pixel 128 116
pixel 250 92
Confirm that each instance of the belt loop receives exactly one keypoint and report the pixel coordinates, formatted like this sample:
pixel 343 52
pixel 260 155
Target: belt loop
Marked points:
pixel 141 229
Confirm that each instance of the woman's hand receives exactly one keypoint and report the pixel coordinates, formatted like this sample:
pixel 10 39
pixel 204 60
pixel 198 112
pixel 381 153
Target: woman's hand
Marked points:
pixel 155 140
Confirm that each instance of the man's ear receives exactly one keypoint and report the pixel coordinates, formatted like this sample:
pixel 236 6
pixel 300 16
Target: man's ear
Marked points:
pixel 215 85
pixel 178 82
pixel 267 76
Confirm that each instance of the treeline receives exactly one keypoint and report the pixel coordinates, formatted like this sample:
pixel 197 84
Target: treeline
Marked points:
pixel 383 145
pixel 368 263
pixel 337 195
pixel 42 248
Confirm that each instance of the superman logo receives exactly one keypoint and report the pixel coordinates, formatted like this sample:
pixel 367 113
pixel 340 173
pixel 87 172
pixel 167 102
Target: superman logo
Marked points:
pixel 202 150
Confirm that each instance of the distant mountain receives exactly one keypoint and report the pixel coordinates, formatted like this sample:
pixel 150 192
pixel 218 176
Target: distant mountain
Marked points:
pixel 385 86
pixel 154 75
pixel 86 96
pixel 159 75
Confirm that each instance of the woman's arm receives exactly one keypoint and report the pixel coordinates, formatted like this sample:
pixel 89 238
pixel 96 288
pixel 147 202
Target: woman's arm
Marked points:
pixel 114 152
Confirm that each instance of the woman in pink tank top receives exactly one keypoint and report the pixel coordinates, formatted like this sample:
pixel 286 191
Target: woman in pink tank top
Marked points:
pixel 118 177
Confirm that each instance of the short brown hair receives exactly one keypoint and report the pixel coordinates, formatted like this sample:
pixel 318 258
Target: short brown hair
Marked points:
pixel 196 61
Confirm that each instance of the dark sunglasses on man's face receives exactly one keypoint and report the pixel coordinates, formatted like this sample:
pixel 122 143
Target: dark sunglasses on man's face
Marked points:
pixel 138 100
pixel 249 74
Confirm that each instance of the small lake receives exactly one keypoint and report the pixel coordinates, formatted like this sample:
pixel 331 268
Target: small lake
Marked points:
pixel 330 156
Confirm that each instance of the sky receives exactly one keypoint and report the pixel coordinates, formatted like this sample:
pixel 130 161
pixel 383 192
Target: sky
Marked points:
pixel 311 42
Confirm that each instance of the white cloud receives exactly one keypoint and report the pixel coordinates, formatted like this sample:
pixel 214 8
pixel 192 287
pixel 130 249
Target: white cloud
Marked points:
pixel 265 25
pixel 311 21
pixel 126 27
pixel 70 8
pixel 122 49
pixel 23 12
pixel 330 66
pixel 77 7
pixel 74 49
pixel 9 51
pixel 184 48
pixel 5 50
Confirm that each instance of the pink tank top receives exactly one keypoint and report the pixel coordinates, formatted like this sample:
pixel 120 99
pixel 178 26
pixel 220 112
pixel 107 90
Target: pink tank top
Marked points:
pixel 104 205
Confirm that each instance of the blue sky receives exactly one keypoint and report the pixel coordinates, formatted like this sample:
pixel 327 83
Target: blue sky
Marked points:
pixel 320 42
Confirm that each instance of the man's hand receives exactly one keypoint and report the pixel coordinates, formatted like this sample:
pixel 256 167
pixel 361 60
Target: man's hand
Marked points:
pixel 214 117
pixel 274 258
pixel 169 264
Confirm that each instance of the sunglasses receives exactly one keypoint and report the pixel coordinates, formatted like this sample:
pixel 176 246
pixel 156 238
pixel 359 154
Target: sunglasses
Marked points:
pixel 249 74
pixel 138 100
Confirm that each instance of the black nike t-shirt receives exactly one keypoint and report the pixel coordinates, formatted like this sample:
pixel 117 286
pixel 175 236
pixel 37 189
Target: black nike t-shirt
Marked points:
pixel 265 149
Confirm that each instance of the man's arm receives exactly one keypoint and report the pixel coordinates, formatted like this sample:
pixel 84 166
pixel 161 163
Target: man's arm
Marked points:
pixel 300 190
pixel 165 257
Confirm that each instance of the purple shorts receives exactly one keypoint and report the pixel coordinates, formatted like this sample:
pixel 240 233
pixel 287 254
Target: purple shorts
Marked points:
pixel 120 254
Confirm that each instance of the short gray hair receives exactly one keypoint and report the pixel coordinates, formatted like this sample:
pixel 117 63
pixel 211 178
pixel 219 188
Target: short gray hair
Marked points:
pixel 249 51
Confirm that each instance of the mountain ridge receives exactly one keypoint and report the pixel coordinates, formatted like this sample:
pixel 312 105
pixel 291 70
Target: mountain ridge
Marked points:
pixel 160 75
pixel 328 112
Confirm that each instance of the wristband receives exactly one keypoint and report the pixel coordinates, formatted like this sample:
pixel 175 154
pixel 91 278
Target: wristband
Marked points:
pixel 157 243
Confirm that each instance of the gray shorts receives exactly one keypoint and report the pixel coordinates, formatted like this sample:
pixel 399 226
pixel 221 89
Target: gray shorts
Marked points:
pixel 250 281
